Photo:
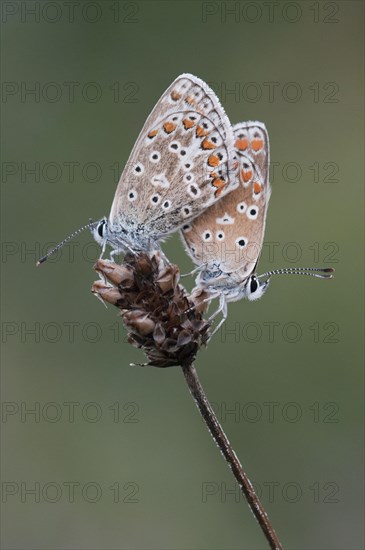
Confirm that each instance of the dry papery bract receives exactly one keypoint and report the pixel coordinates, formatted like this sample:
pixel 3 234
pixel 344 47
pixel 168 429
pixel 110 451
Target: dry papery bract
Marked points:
pixel 160 316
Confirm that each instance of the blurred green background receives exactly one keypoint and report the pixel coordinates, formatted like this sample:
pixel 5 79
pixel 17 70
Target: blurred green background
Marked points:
pixel 117 456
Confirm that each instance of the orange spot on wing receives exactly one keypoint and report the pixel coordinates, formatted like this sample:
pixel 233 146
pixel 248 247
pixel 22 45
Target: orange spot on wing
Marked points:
pixel 257 144
pixel 190 100
pixel 169 127
pixel 188 123
pixel 152 134
pixel 200 131
pixel 206 144
pixel 246 175
pixel 257 188
pixel 241 144
pixel 213 160
pixel 219 183
pixel 175 95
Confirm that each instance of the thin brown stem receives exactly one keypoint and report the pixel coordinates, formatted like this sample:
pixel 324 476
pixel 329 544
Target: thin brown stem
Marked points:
pixel 220 438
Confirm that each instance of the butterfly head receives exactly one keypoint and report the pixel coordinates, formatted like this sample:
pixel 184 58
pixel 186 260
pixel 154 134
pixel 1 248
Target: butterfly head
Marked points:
pixel 254 288
pixel 215 281
pixel 99 231
pixel 251 288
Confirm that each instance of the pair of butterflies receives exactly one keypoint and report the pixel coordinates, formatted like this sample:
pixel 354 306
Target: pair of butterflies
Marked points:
pixel 191 170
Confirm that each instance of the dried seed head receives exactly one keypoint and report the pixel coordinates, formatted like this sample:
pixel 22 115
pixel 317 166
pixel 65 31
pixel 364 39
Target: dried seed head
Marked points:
pixel 137 320
pixel 200 299
pixel 160 316
pixel 106 292
pixel 116 274
pixel 168 278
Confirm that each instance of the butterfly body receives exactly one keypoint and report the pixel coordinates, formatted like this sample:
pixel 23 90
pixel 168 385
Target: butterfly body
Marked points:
pixel 130 236
pixel 233 287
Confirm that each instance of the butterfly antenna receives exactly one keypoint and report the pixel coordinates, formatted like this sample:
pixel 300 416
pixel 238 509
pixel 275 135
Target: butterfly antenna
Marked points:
pixel 320 272
pixel 44 258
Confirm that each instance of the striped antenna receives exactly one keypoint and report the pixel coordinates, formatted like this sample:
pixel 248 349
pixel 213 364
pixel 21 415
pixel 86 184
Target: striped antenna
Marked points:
pixel 73 235
pixel 320 272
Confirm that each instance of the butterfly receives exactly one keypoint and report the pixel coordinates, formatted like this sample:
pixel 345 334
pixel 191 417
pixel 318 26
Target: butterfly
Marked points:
pixel 182 163
pixel 226 240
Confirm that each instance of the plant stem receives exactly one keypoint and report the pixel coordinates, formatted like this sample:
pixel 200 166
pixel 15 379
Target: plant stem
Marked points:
pixel 220 438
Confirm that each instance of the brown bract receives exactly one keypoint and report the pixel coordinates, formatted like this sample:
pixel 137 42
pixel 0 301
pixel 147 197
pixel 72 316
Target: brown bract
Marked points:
pixel 160 316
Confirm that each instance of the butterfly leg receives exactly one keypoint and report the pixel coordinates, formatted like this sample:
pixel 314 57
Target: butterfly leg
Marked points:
pixel 205 301
pixel 199 268
pixel 154 247
pixel 223 308
pixel 115 252
pixel 102 250
pixel 164 257
pixel 101 275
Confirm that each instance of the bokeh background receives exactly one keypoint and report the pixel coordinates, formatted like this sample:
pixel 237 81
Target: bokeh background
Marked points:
pixel 115 456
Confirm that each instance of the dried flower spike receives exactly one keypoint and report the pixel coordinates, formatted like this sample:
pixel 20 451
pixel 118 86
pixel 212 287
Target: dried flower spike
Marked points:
pixel 160 316
pixel 166 322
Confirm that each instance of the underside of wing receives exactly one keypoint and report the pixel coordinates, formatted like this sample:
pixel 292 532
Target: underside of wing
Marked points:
pixel 182 162
pixel 228 236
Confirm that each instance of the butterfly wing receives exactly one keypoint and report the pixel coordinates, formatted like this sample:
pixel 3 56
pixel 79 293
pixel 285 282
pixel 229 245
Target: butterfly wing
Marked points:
pixel 228 236
pixel 182 162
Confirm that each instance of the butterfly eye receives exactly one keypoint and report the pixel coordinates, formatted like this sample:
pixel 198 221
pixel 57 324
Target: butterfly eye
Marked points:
pixel 99 231
pixel 101 228
pixel 255 289
pixel 253 285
